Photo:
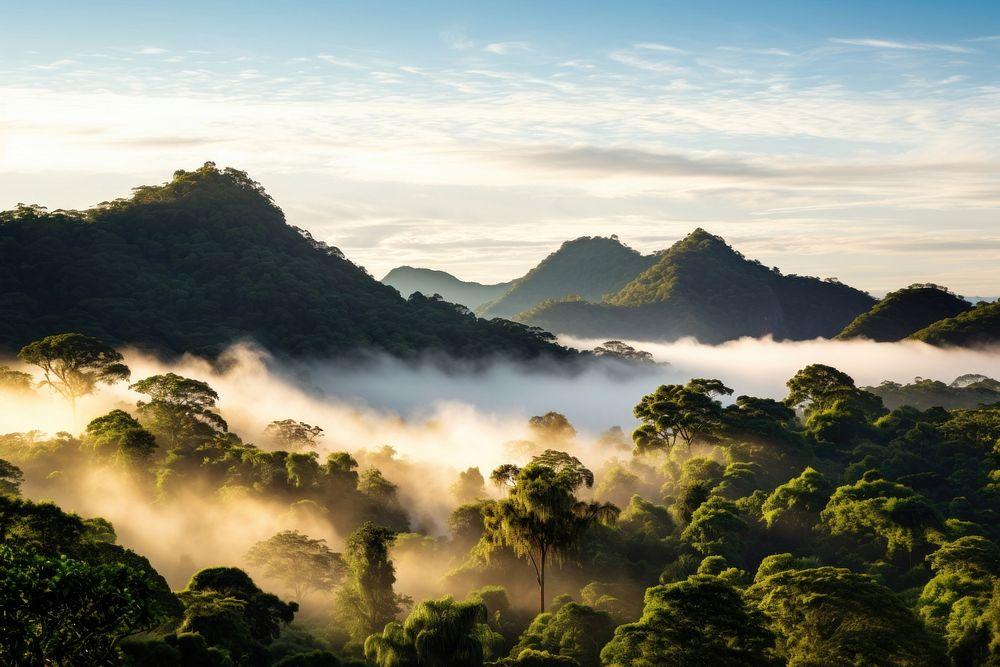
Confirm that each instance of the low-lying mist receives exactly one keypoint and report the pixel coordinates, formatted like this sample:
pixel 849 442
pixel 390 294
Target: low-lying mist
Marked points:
pixel 438 422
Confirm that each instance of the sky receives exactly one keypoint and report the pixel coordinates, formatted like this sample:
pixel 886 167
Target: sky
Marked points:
pixel 855 140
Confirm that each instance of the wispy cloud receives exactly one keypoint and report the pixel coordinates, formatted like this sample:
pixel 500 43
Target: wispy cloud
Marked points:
pixel 506 48
pixel 151 51
pixel 638 62
pixel 758 52
pixel 655 46
pixel 901 46
pixel 339 62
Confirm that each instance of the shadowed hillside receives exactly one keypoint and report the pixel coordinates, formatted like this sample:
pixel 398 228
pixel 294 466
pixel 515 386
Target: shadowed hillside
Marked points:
pixel 702 287
pixel 408 279
pixel 207 259
pixel 904 312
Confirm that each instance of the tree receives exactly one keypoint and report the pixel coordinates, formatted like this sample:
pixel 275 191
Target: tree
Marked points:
pixel 74 364
pixel 817 387
pixel 796 504
pixel 226 607
pixel 700 621
pixel 437 633
pixel 893 514
pixel 367 602
pixel 679 412
pixel 616 349
pixel 119 434
pixel 302 564
pixel 62 611
pixel 10 478
pixel 290 435
pixel 832 616
pixel 541 517
pixel 179 408
pixel 574 630
pixel 14 381
pixel 717 529
pixel 551 427
pixel 469 487
pixel 956 602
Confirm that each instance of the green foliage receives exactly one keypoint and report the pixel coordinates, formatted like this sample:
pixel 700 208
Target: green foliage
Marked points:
pixel 366 602
pixel 888 512
pixel 207 260
pixel 437 633
pixel 700 621
pixel 10 478
pixel 979 326
pixel 73 364
pixel 541 516
pixel 957 602
pixel 717 529
pixel 301 564
pixel 14 381
pixel 179 408
pixel 795 505
pixel 60 610
pixel 904 312
pixel 831 616
pixel 574 630
pixel 119 437
pixel 965 392
pixel 701 287
pixel 673 412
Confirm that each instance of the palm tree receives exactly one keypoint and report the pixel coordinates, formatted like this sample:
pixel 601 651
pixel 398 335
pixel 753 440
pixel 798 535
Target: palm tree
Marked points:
pixel 541 517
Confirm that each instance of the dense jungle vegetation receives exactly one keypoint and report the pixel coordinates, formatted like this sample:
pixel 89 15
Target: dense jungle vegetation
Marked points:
pixel 823 529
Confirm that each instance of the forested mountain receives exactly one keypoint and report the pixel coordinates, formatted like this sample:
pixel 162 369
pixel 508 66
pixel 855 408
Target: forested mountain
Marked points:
pixel 702 287
pixel 472 295
pixel 904 312
pixel 979 326
pixel 588 267
pixel 205 260
pixel 965 392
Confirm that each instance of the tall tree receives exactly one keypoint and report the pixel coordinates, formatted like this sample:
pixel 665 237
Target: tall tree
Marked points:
pixel 302 564
pixel 292 436
pixel 541 517
pixel 675 412
pixel 119 436
pixel 367 601
pixel 179 408
pixel 74 364
pixel 437 633
pixel 700 621
pixel 14 381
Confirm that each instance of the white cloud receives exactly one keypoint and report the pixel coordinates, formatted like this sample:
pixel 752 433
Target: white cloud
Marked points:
pixel 506 48
pixel 903 46
pixel 654 46
pixel 758 52
pixel 151 51
pixel 339 62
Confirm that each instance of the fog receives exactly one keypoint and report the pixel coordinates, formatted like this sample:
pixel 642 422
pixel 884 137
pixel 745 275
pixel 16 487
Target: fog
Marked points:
pixel 439 422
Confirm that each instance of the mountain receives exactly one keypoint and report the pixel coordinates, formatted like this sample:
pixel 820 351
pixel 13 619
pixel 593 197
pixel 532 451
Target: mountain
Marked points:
pixel 966 392
pixel 978 326
pixel 206 260
pixel 588 267
pixel 409 279
pixel 704 288
pixel 904 312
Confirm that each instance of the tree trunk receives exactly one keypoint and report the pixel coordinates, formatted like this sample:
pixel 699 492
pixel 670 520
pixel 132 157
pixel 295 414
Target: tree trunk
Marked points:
pixel 541 583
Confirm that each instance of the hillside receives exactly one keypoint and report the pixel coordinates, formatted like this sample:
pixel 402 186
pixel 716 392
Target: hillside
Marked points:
pixel 205 260
pixel 701 287
pixel 966 392
pixel 589 267
pixel 979 326
pixel 408 279
pixel 904 312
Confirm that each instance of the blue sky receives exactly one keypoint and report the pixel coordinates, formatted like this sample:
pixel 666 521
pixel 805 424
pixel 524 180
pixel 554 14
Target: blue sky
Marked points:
pixel 849 139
